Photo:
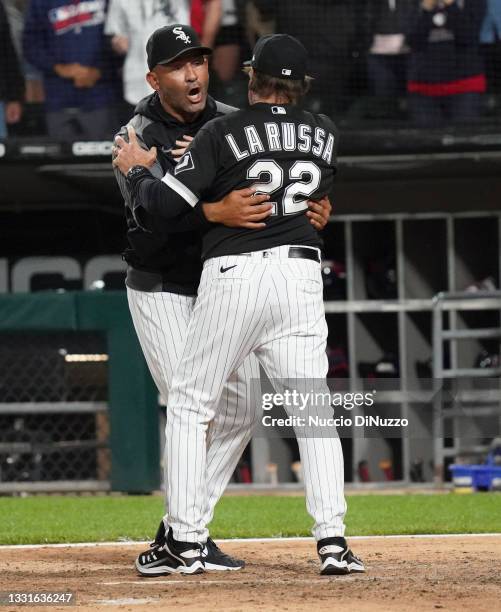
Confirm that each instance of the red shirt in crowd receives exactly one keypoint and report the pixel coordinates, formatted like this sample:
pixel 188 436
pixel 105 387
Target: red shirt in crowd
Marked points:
pixel 197 15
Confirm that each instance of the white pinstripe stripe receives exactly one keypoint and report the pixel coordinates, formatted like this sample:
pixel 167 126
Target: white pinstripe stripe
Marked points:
pixel 161 321
pixel 248 309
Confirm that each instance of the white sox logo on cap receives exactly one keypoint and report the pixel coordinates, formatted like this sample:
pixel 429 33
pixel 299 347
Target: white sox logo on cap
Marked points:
pixel 181 35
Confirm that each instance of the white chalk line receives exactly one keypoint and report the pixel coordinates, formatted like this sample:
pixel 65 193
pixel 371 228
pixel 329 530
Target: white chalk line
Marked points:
pixel 254 540
pixel 127 601
pixel 244 580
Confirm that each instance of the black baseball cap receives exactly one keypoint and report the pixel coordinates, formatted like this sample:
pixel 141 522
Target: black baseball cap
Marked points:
pixel 172 42
pixel 281 56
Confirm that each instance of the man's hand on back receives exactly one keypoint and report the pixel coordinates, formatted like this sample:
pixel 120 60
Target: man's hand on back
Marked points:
pixel 319 213
pixel 244 208
pixel 126 155
pixel 241 208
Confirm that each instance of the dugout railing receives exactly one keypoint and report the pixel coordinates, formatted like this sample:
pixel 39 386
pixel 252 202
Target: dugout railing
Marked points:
pixel 464 416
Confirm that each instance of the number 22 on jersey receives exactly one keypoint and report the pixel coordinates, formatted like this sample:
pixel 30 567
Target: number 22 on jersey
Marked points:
pixel 305 177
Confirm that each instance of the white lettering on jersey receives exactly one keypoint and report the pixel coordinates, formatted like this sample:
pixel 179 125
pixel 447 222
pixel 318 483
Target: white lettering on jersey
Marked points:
pixel 319 141
pixel 234 147
pixel 285 136
pixel 304 136
pixel 273 136
pixel 329 149
pixel 289 136
pixel 253 140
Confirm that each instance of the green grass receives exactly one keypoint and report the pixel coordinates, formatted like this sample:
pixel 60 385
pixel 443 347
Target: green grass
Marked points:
pixel 36 520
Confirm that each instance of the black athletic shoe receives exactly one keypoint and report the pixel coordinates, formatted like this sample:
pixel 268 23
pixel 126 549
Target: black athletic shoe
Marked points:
pixel 216 560
pixel 168 556
pixel 160 535
pixel 355 564
pixel 336 558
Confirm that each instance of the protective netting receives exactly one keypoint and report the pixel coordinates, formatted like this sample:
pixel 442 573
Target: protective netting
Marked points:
pixel 417 62
pixel 53 417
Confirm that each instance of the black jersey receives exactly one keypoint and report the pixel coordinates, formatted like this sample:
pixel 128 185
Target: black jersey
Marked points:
pixel 284 151
pixel 168 254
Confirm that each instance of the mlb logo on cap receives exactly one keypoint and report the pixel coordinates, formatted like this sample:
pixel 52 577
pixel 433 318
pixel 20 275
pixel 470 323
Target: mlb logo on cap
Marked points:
pixel 275 51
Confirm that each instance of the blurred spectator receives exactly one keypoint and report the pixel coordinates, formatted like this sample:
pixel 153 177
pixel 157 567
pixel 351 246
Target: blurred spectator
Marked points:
pixel 228 82
pixel 446 76
pixel 388 53
pixel 130 24
pixel 16 11
pixel 363 471
pixel 11 79
pixel 257 22
pixel 206 19
pixel 66 43
pixel 328 29
pixel 490 37
pixel 226 56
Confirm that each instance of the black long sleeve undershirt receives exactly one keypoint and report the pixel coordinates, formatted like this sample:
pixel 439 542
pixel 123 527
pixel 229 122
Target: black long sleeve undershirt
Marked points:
pixel 155 197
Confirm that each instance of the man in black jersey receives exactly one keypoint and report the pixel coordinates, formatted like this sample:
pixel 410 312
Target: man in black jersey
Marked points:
pixel 260 292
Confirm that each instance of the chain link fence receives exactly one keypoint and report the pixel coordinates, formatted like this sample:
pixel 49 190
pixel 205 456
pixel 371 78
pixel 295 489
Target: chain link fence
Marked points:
pixel 54 425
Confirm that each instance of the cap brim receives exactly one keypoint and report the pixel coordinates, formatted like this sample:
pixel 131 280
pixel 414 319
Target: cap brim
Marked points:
pixel 188 50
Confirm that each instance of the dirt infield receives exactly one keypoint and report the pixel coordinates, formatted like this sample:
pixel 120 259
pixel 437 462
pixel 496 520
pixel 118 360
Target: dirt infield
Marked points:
pixel 455 573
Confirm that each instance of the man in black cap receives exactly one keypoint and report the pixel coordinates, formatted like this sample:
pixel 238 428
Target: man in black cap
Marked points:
pixel 260 293
pixel 165 261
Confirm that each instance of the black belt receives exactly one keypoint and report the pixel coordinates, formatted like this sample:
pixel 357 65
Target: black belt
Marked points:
pixel 294 252
pixel 304 253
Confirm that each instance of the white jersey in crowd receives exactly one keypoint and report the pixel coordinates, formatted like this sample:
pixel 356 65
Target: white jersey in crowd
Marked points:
pixel 229 13
pixel 137 20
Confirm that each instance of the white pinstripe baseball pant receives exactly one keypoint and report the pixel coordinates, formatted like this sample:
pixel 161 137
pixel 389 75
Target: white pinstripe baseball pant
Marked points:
pixel 161 321
pixel 273 306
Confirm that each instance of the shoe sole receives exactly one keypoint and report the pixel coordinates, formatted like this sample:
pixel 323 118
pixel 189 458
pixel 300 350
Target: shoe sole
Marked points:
pixel 354 568
pixel 331 567
pixel 165 570
pixel 213 567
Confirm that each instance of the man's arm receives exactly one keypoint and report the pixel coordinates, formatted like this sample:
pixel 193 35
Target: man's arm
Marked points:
pixel 240 208
pixel 123 183
pixel 318 214
pixel 116 27
pixel 167 198
pixel 14 79
pixel 212 22
pixel 170 198
pixel 37 46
